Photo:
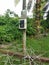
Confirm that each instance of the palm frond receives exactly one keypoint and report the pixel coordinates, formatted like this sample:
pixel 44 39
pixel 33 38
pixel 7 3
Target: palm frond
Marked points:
pixel 29 5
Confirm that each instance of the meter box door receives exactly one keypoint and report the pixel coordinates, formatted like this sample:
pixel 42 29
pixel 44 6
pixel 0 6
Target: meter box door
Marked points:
pixel 23 24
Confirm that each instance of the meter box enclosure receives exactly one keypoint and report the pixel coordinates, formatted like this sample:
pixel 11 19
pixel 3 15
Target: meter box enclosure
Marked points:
pixel 22 24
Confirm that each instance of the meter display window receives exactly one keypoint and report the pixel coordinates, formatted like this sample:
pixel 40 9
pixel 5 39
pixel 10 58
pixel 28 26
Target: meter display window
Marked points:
pixel 21 23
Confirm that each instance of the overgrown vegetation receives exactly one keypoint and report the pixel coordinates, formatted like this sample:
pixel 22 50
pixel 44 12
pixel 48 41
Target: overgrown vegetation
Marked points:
pixel 9 27
pixel 9 32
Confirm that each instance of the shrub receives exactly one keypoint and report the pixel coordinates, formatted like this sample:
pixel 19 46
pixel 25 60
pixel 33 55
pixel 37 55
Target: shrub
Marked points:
pixel 30 27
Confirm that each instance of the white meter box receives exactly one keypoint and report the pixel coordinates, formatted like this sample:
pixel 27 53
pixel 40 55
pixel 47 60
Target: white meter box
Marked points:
pixel 22 24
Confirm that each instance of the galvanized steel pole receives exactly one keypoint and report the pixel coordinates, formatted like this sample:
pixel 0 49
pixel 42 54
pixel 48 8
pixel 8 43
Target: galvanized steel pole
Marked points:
pixel 23 16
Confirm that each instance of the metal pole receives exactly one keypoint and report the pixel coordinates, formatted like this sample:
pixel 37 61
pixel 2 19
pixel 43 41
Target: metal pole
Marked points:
pixel 24 42
pixel 24 4
pixel 23 16
pixel 24 31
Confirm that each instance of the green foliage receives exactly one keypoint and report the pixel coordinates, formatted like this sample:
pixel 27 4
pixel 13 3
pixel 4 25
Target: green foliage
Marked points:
pixel 45 23
pixel 9 28
pixel 47 20
pixel 30 27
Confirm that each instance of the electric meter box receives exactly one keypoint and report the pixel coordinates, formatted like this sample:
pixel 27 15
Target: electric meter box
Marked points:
pixel 22 24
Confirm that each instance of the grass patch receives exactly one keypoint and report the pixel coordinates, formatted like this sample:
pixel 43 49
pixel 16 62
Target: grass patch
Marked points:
pixel 39 45
pixel 34 46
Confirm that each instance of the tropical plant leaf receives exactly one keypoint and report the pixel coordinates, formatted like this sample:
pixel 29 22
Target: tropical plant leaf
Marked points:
pixel 29 5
